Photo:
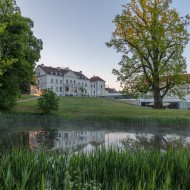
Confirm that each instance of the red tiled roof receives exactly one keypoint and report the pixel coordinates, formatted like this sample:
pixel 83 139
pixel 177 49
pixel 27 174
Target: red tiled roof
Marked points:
pixel 111 90
pixel 96 78
pixel 80 75
pixel 52 70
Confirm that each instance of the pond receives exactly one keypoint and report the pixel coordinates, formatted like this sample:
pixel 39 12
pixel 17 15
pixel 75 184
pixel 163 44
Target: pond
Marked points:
pixel 85 138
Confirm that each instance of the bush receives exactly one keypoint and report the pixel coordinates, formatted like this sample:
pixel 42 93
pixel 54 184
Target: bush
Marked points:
pixel 48 102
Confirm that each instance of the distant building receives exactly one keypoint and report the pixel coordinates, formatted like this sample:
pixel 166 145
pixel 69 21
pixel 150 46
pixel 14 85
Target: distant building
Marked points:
pixel 65 82
pixel 113 93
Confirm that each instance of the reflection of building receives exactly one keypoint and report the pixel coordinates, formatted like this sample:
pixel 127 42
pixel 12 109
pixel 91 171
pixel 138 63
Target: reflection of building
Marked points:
pixel 76 140
pixel 33 141
pixel 69 140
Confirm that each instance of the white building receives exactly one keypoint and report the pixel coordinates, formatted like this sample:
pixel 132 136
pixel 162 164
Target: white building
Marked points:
pixel 65 82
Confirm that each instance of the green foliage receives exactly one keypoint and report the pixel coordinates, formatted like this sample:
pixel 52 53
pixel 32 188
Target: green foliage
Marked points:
pixel 152 38
pixel 103 169
pixel 9 91
pixel 48 102
pixel 19 48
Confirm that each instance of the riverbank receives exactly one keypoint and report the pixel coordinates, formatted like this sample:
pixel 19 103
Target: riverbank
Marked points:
pixel 96 110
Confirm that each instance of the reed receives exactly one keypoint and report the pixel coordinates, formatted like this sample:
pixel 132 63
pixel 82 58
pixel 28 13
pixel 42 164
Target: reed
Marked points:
pixel 101 169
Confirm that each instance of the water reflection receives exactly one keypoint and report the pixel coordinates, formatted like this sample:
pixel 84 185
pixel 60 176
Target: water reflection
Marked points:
pixel 78 140
pixel 157 141
pixel 85 139
pixel 11 138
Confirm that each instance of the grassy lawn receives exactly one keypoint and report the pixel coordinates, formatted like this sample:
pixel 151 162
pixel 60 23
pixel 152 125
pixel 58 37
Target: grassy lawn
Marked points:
pixel 100 108
pixel 25 97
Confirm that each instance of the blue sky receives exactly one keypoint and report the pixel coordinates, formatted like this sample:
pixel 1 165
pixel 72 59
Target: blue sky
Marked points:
pixel 74 33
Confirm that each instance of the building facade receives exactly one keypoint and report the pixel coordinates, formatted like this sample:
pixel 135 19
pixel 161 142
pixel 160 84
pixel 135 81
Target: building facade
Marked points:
pixel 65 82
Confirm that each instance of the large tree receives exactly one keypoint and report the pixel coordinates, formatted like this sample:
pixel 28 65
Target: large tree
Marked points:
pixel 19 51
pixel 151 37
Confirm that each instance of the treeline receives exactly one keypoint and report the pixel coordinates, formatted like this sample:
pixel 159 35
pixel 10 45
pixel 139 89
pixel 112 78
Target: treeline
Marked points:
pixel 19 51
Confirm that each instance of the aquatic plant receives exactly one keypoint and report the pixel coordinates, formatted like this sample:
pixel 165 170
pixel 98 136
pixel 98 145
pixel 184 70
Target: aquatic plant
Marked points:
pixel 100 169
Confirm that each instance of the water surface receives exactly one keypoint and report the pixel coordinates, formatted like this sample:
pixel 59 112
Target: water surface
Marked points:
pixel 86 138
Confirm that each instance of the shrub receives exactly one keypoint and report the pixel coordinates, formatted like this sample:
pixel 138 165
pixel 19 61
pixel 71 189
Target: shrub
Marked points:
pixel 48 102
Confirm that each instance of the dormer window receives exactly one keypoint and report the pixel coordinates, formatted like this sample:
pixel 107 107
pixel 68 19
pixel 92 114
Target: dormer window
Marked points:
pixel 51 73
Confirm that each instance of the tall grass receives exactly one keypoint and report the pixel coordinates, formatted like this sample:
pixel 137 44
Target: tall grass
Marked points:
pixel 103 169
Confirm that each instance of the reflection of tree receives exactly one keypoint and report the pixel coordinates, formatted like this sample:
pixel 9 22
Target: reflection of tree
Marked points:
pixel 159 142
pixel 46 137
pixel 96 144
pixel 10 138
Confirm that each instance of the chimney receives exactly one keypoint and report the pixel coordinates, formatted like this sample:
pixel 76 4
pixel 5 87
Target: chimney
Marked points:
pixel 42 65
pixel 66 68
pixel 58 68
pixel 81 72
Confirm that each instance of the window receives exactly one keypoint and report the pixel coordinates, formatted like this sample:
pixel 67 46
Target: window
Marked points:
pixel 91 85
pixel 67 81
pixel 56 81
pixel 74 82
pixel 71 81
pixel 66 135
pixel 94 92
pixel 56 89
pixel 85 84
pixel 75 89
pixel 79 83
pixel 94 85
pixel 51 80
pixel 82 85
pixel 60 81
pixel 101 86
pixel 51 88
pixel 66 89
pixel 60 89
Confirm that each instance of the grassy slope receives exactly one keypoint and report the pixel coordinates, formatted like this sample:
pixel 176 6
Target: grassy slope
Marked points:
pixel 84 107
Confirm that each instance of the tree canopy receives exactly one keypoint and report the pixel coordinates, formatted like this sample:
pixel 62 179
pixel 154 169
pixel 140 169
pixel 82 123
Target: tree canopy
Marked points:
pixel 151 37
pixel 19 51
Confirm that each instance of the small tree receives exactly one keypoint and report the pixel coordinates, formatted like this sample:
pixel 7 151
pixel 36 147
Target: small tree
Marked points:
pixel 48 101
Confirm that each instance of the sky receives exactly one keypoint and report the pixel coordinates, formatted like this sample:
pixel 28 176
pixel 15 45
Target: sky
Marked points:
pixel 74 33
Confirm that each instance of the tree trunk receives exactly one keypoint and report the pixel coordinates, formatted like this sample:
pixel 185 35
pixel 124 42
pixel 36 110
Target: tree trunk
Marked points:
pixel 157 100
